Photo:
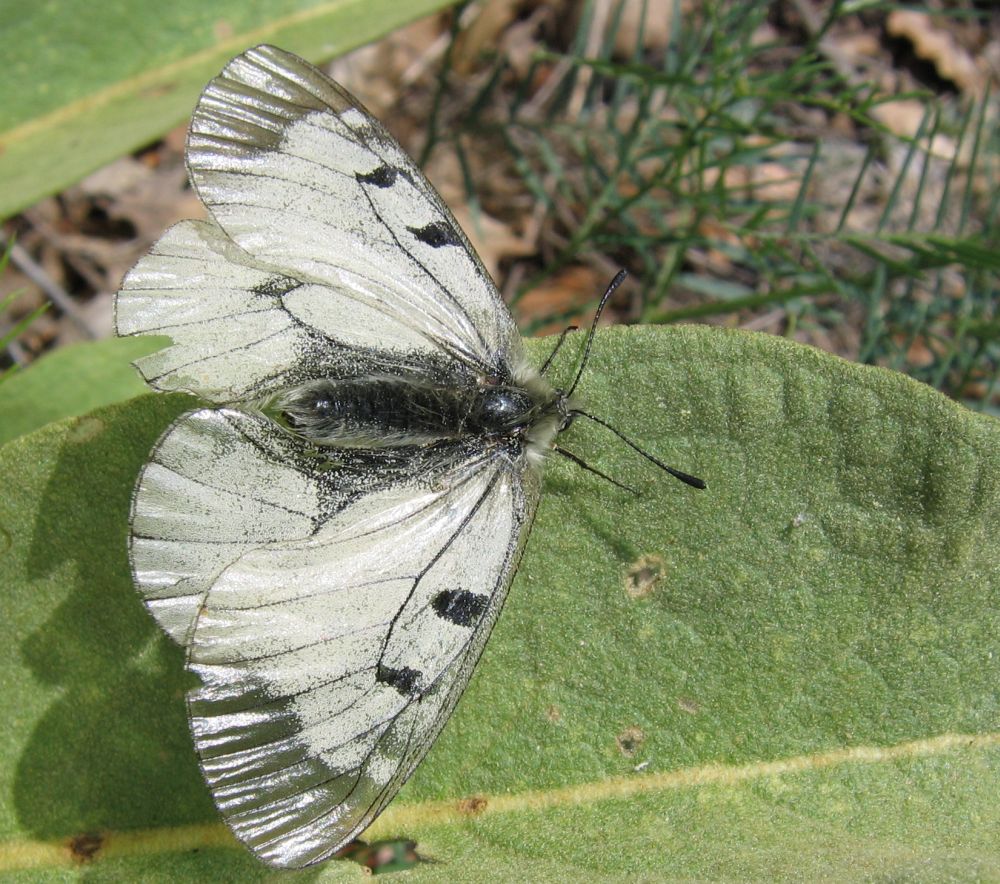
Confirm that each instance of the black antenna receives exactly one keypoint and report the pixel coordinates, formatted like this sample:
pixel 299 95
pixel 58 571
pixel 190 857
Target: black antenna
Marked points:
pixel 555 349
pixel 693 481
pixel 617 281
pixel 580 462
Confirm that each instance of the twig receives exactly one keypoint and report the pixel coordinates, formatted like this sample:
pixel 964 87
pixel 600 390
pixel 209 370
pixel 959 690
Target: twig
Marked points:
pixel 36 273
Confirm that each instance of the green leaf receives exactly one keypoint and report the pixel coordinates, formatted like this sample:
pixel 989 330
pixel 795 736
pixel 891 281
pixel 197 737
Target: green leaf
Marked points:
pixel 71 381
pixel 85 84
pixel 801 684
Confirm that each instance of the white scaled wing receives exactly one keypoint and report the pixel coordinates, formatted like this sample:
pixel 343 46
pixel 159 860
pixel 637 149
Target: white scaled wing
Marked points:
pixel 334 610
pixel 333 600
pixel 310 184
pixel 329 254
pixel 233 336
pixel 217 484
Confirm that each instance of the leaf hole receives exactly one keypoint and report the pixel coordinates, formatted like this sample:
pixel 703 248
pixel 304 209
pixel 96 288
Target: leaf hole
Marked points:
pixel 84 429
pixel 472 806
pixel 630 741
pixel 83 848
pixel 686 704
pixel 643 576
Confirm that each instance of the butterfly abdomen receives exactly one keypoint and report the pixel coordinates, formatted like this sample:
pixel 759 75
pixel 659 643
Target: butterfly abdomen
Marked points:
pixel 372 411
pixel 390 411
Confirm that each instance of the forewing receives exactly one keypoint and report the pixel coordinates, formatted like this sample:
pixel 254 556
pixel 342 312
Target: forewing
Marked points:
pixel 330 664
pixel 310 185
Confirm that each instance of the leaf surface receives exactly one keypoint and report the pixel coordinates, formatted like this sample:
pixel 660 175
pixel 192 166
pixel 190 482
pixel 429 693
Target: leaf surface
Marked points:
pixel 71 381
pixel 85 85
pixel 792 674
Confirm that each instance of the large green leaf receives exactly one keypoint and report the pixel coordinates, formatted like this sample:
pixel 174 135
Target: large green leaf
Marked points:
pixel 807 686
pixel 71 381
pixel 85 83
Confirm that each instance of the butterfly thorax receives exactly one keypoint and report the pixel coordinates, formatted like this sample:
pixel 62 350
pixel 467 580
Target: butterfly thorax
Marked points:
pixel 388 411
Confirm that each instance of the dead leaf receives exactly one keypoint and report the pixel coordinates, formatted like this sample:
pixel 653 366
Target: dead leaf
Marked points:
pixel 933 43
pixel 569 296
pixel 483 34
pixel 377 72
pixel 648 21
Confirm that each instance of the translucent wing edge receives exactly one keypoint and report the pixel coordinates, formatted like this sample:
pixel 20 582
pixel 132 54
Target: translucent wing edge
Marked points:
pixel 287 847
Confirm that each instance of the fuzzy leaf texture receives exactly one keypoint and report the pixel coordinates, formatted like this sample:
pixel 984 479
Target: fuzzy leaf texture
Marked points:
pixel 792 674
pixel 71 381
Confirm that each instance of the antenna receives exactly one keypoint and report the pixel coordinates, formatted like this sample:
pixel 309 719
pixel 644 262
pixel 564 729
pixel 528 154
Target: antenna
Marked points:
pixel 555 349
pixel 687 479
pixel 617 281
pixel 693 481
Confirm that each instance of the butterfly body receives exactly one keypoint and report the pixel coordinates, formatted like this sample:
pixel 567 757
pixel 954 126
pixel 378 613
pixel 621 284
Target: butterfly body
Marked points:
pixel 331 537
pixel 385 411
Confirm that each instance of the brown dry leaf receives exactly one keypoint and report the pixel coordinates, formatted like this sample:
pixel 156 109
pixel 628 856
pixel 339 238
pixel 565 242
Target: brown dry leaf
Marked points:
pixel 519 42
pixel 777 179
pixel 904 116
pixel 711 259
pixel 919 354
pixel 933 43
pixel 484 32
pixel 652 20
pixel 569 295
pixel 863 45
pixel 174 141
pixel 775 182
pixel 491 238
pixel 376 72
pixel 150 199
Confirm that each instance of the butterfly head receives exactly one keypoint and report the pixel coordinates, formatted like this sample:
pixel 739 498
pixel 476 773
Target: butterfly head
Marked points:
pixel 516 409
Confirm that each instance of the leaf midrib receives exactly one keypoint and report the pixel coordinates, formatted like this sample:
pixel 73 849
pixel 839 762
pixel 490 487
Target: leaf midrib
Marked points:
pixel 24 853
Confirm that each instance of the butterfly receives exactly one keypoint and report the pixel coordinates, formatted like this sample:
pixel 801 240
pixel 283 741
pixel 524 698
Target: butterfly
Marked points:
pixel 332 537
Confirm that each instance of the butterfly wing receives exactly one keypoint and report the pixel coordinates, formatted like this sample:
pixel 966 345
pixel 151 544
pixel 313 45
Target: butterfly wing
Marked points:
pixel 217 484
pixel 307 181
pixel 328 252
pixel 334 603
pixel 333 611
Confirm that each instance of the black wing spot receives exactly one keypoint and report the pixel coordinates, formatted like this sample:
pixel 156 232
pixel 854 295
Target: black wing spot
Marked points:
pixel 275 287
pixel 383 176
pixel 436 234
pixel 403 679
pixel 459 606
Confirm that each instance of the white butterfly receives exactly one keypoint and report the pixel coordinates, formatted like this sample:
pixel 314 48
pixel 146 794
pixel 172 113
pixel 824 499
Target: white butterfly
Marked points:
pixel 333 541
